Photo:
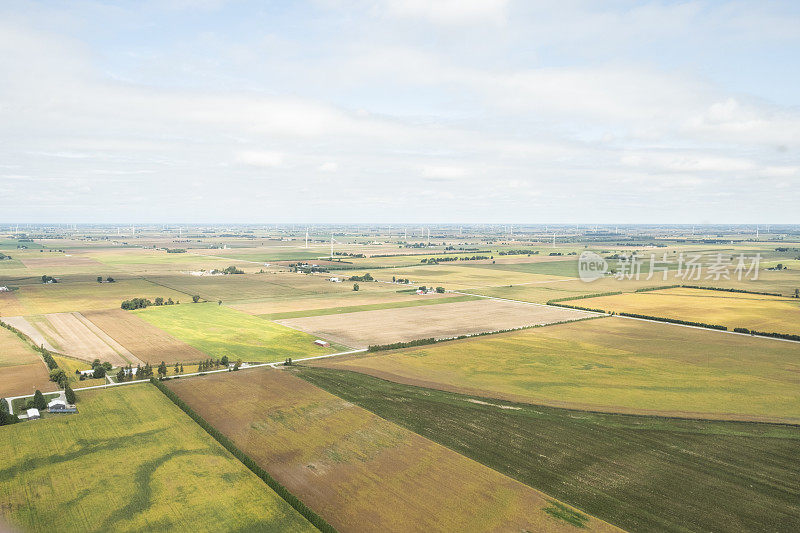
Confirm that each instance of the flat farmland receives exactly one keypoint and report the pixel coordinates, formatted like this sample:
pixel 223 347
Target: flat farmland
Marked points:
pixel 166 472
pixel 14 351
pixel 237 287
pixel 419 300
pixel 73 335
pixel 459 277
pixel 39 299
pixel 358 471
pixel 218 330
pixel 317 302
pixel 10 305
pixel 145 341
pixel 752 311
pixel 22 371
pixel 609 364
pixel 386 326
pixel 640 473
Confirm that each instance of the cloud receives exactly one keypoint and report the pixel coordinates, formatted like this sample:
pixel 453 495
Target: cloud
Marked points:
pixel 449 11
pixel 260 158
pixel 444 172
pixel 328 166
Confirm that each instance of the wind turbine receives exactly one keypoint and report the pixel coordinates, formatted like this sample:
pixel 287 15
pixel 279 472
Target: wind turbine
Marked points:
pixel 307 237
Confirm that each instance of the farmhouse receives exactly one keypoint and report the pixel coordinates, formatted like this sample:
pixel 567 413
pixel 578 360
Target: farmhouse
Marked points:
pixel 320 342
pixel 85 373
pixel 335 280
pixel 4 289
pixel 33 414
pixel 60 405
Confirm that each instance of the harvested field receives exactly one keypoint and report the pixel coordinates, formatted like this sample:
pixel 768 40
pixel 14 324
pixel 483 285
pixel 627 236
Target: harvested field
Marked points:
pixel 130 460
pixel 386 326
pixel 640 473
pixel 10 305
pixel 72 334
pixel 26 327
pixel 419 301
pixel 14 351
pixel 610 364
pixel 25 379
pixel 252 286
pixel 145 341
pixel 218 330
pixel 41 299
pixel 358 471
pixel 460 277
pixel 752 311
pixel 58 261
pixel 330 301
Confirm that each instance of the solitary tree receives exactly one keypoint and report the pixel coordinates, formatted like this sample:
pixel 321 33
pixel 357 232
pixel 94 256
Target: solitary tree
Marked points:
pixel 162 370
pixel 181 368
pixel 797 293
pixel 224 360
pixel 38 400
pixel 219 302
pixel 195 298
pixel 177 368
pixel 99 371
pixel 99 279
pixel 355 286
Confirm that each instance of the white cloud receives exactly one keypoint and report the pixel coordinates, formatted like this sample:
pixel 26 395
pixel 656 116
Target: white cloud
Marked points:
pixel 328 166
pixel 444 172
pixel 260 158
pixel 450 11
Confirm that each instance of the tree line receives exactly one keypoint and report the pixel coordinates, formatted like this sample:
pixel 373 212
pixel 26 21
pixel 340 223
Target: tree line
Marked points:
pixel 141 303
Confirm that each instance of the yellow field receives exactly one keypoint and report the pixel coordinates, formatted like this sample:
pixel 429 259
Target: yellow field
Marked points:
pixel 14 351
pixel 40 299
pixel 130 460
pixel 752 311
pixel 355 469
pixel 609 364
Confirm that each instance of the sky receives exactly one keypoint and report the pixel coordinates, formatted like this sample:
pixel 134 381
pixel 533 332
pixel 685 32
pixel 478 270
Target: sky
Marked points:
pixel 400 111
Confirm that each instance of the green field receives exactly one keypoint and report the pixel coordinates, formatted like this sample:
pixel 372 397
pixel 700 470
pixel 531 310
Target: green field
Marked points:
pixel 639 473
pixel 218 330
pixel 612 364
pixel 130 460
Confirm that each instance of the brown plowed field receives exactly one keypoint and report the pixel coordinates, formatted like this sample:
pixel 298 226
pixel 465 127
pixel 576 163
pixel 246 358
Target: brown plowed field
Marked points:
pixel 142 339
pixel 357 470
pixel 25 379
pixel 386 326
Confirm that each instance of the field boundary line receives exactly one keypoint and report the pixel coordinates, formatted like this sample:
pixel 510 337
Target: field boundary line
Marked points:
pixel 296 503
pixel 636 318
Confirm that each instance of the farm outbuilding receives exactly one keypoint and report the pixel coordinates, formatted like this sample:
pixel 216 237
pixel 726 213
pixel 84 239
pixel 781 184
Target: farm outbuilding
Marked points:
pixel 33 414
pixel 320 342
